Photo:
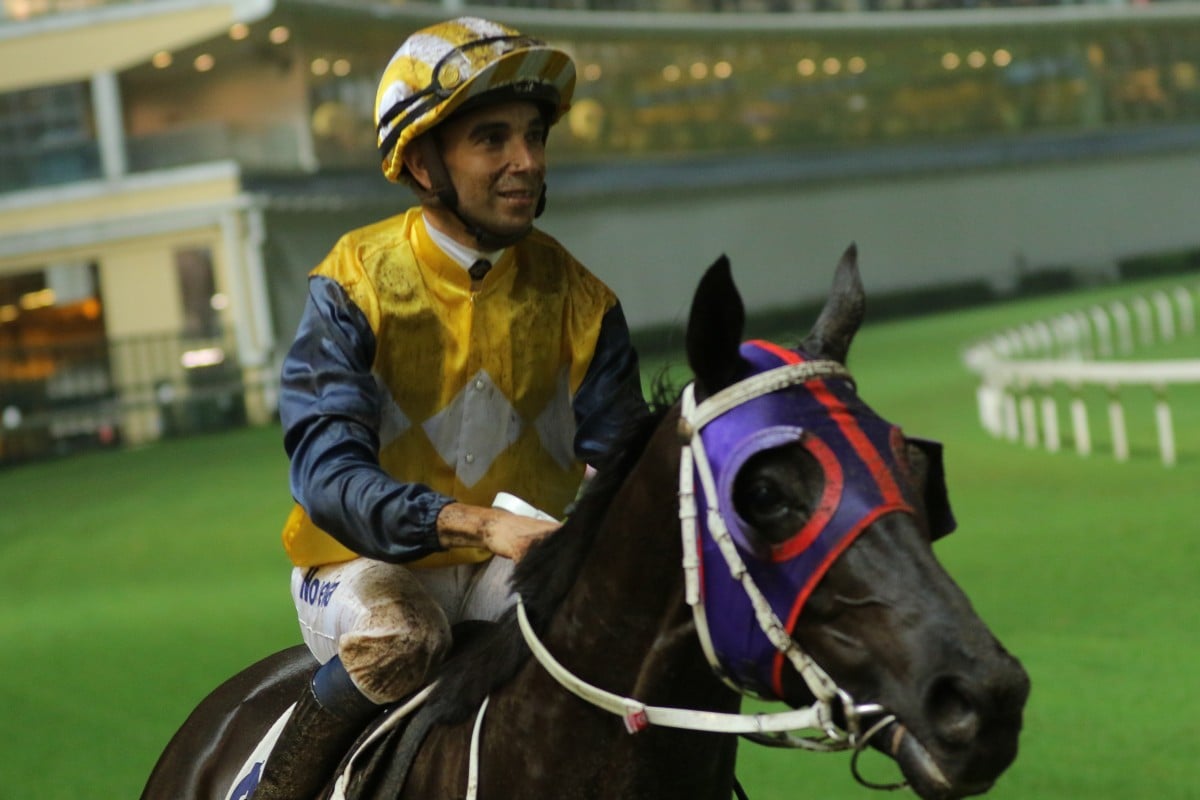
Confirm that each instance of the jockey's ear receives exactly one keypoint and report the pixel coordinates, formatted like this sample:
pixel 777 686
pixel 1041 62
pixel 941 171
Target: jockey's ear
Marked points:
pixel 714 331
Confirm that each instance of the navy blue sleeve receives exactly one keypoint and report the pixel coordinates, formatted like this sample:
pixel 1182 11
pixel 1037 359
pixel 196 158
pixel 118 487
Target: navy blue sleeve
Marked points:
pixel 611 392
pixel 330 408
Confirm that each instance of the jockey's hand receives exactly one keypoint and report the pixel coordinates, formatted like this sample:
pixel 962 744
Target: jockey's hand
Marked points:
pixel 502 532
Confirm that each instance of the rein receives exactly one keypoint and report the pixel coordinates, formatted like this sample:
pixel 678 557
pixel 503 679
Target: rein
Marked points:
pixel 774 729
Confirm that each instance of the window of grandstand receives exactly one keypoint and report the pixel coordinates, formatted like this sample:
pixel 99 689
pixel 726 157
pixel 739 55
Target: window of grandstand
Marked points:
pixel 674 95
pixel 46 137
pixel 55 377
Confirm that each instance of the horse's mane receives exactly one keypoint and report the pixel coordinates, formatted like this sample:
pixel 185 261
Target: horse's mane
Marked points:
pixel 543 577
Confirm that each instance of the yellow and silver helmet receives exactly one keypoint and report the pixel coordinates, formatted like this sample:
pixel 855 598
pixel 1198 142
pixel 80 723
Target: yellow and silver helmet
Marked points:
pixel 442 68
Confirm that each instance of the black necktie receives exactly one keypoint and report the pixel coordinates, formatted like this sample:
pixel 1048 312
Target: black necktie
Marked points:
pixel 479 269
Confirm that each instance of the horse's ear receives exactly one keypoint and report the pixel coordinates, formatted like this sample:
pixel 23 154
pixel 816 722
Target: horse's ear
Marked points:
pixel 843 313
pixel 714 330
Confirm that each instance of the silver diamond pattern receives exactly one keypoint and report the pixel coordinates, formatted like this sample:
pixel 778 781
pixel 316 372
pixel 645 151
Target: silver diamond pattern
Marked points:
pixel 555 426
pixel 475 428
pixel 392 421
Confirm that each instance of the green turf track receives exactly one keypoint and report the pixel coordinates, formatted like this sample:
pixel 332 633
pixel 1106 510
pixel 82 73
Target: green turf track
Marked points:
pixel 135 581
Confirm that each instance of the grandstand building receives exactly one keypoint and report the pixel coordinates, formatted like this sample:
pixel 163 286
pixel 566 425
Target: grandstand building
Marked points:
pixel 170 170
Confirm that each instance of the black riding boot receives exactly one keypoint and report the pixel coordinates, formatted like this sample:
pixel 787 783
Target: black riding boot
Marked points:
pixel 310 747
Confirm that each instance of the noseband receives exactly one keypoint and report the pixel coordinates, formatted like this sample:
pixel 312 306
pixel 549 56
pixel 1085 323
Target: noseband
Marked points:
pixel 834 721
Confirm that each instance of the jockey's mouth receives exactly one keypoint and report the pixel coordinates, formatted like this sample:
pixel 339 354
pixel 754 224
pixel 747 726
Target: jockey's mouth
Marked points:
pixel 521 195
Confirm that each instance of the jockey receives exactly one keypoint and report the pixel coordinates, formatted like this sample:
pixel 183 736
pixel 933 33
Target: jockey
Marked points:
pixel 421 386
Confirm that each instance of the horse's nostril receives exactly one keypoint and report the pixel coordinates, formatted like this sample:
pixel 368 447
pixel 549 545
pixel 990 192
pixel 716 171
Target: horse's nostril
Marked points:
pixel 953 714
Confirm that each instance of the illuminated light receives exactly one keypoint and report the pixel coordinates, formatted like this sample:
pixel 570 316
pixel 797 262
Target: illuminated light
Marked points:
pixel 1001 58
pixel 1095 55
pixel 586 119
pixel 806 67
pixel 856 103
pixel 204 62
pixel 11 418
pixel 91 308
pixel 239 31
pixel 722 70
pixel 341 67
pixel 204 357
pixel 951 61
pixel 331 118
pixel 319 66
pixel 672 73
pixel 857 65
pixel 19 9
pixel 219 301
pixel 9 313
pixel 1184 75
pixel 976 59
pixel 831 66
pixel 592 72
pixel 279 34
pixel 162 59
pixel 40 299
pixel 699 70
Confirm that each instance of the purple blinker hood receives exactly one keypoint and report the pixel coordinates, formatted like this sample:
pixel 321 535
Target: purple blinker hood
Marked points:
pixel 866 477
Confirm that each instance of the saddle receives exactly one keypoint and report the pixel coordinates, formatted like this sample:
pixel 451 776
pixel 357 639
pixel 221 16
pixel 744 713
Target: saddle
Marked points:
pixel 383 754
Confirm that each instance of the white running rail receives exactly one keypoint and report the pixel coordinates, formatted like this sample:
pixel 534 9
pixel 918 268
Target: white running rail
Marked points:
pixel 1019 369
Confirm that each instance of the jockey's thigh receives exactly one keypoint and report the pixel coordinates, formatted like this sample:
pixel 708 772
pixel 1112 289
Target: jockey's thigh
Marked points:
pixel 489 594
pixel 470 591
pixel 387 628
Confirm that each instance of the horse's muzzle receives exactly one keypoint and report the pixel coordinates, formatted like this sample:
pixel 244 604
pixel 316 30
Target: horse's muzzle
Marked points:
pixel 969 736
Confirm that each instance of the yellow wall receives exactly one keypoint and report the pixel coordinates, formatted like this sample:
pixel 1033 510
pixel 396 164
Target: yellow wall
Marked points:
pixel 138 281
pixel 53 54
pixel 137 272
pixel 133 199
pixel 139 286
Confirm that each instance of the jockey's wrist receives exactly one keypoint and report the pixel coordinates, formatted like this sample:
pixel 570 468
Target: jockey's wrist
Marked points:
pixel 463 525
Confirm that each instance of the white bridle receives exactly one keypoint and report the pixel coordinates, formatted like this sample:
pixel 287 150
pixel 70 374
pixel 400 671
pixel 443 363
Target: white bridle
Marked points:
pixel 774 728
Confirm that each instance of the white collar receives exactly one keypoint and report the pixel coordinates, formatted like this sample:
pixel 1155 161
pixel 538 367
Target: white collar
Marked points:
pixel 460 253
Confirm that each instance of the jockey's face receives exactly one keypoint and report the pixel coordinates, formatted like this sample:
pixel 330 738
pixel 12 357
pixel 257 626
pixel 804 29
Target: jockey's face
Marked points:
pixel 496 157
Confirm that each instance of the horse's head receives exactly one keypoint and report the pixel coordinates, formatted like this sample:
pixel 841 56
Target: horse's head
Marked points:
pixel 813 523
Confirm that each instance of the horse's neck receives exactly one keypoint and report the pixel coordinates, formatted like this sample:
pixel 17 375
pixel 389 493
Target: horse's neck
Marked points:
pixel 624 625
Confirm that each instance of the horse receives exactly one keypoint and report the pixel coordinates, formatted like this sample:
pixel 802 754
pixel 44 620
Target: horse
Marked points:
pixel 765 534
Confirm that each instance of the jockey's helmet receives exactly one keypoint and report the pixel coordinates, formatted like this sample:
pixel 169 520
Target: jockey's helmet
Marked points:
pixel 454 65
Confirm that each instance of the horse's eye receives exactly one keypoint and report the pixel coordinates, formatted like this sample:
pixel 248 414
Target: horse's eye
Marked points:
pixel 765 500
pixel 775 490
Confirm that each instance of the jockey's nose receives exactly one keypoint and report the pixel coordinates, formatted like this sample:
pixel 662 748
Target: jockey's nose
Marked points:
pixel 524 156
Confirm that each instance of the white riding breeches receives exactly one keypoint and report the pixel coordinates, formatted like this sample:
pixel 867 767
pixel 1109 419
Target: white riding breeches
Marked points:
pixel 389 623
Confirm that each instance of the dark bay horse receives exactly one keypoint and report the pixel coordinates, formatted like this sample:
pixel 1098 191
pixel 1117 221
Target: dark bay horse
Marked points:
pixel 767 534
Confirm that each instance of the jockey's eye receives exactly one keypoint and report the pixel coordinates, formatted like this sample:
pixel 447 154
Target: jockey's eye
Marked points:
pixel 776 491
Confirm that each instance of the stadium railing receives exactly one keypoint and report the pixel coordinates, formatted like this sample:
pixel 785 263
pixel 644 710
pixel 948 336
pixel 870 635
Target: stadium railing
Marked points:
pixel 1022 369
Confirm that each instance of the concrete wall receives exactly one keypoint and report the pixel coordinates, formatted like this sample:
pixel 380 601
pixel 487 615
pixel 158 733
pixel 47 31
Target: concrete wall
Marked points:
pixel 913 231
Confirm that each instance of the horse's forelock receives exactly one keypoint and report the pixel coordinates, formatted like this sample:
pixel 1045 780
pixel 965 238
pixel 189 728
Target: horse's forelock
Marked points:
pixel 542 578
